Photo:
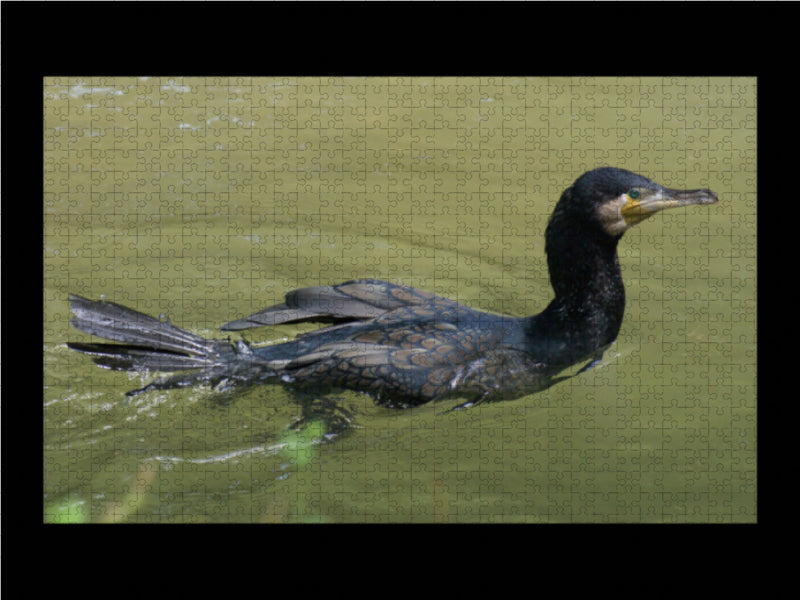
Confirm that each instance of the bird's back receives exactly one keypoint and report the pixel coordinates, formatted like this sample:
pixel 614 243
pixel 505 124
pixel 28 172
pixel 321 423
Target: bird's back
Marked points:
pixel 420 348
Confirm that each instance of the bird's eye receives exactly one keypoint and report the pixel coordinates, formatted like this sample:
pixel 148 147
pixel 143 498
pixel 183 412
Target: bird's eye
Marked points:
pixel 633 194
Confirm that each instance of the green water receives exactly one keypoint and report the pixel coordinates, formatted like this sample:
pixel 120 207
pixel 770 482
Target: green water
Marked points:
pixel 207 199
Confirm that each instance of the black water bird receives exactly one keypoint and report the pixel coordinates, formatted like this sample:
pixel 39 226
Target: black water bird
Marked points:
pixel 405 346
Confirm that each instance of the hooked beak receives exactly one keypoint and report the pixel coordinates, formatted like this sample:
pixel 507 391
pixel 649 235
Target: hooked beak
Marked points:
pixel 636 211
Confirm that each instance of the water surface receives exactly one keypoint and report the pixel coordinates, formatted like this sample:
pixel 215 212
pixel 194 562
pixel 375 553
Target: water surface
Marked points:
pixel 207 199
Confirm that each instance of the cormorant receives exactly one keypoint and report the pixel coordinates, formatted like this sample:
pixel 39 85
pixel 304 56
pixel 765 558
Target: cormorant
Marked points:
pixel 405 346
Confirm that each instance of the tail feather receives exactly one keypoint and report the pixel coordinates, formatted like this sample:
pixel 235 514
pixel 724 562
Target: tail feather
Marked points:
pixel 150 344
pixel 118 323
pixel 136 358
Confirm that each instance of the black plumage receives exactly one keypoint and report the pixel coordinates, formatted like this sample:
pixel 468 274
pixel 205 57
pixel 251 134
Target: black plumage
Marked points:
pixel 405 346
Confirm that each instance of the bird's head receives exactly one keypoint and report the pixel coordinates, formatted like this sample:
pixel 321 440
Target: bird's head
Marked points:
pixel 616 199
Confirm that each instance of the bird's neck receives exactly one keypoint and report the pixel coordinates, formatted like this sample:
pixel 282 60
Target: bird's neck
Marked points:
pixel 589 302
